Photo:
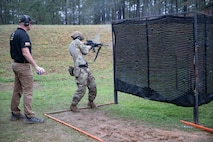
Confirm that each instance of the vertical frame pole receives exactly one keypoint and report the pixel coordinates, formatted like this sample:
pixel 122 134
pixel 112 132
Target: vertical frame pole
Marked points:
pixel 196 69
pixel 147 47
pixel 205 55
pixel 114 66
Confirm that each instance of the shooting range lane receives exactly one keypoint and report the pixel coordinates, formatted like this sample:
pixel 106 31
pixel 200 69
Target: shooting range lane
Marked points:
pixel 47 114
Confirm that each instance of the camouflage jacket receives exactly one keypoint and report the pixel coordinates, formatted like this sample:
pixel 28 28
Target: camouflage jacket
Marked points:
pixel 77 49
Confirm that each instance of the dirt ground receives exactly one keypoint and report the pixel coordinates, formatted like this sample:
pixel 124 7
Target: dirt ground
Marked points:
pixel 103 127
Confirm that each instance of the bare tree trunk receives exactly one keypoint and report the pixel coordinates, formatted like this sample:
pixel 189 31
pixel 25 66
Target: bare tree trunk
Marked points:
pixel 171 9
pixel 165 5
pixel 119 10
pixel 123 9
pixel 185 7
pixel 79 13
pixel 1 15
pixel 138 8
pixel 65 11
pixel 113 10
pixel 103 12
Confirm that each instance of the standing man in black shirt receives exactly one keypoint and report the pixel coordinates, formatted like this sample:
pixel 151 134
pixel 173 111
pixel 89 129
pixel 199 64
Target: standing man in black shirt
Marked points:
pixel 20 51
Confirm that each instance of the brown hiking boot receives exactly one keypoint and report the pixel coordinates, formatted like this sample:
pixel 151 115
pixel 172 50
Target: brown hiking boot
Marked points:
pixel 74 108
pixel 91 105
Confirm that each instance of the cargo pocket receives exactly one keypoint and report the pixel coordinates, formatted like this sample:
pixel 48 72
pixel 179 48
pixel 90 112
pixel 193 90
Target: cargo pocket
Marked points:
pixel 76 71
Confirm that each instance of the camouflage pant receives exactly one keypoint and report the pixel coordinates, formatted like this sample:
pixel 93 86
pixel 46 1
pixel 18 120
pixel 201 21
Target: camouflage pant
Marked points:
pixel 84 79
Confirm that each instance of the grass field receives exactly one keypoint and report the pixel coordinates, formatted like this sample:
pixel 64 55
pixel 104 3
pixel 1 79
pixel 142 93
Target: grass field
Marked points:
pixel 54 90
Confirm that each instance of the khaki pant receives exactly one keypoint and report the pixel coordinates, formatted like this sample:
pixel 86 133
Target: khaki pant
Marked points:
pixel 84 79
pixel 23 84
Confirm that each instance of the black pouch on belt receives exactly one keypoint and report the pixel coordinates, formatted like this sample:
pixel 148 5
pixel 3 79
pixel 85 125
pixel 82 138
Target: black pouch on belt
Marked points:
pixel 71 69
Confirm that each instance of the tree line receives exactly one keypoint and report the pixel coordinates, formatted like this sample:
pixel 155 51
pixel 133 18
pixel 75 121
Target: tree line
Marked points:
pixel 82 12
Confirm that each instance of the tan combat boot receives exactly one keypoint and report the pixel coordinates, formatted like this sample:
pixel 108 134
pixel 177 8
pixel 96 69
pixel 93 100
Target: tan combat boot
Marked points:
pixel 74 108
pixel 91 105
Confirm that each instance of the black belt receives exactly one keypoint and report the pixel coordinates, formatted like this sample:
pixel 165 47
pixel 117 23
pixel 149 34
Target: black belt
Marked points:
pixel 21 61
pixel 83 66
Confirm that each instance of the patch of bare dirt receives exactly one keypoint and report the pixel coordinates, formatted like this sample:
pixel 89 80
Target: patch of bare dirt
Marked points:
pixel 108 129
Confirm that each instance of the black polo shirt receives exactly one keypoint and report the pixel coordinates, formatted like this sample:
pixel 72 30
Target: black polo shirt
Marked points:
pixel 18 40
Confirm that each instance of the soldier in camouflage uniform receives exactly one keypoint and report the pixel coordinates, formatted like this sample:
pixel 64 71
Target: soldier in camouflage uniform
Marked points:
pixel 83 77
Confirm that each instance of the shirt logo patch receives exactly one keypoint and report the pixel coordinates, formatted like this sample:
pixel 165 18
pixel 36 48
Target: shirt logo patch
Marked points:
pixel 27 44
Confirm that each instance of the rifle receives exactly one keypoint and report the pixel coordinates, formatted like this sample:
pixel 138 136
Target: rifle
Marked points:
pixel 93 45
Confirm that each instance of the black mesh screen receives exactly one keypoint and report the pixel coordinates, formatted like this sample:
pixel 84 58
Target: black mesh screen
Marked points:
pixel 154 57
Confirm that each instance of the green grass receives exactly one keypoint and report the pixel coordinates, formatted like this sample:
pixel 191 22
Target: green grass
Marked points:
pixel 55 89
